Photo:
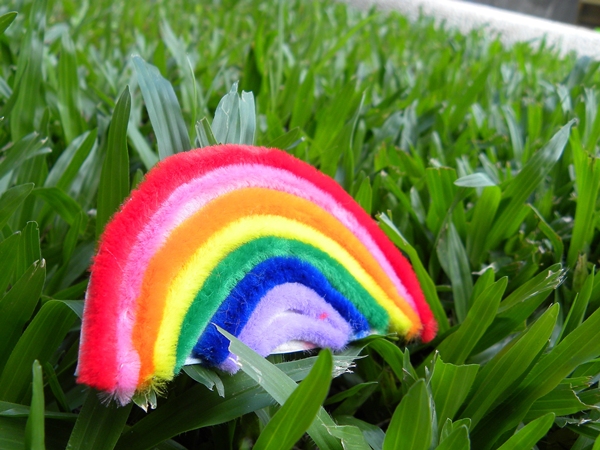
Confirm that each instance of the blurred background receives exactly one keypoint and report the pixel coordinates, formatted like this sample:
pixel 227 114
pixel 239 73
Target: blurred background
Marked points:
pixel 581 12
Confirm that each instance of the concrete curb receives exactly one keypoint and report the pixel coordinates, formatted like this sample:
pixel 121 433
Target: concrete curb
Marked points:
pixel 509 26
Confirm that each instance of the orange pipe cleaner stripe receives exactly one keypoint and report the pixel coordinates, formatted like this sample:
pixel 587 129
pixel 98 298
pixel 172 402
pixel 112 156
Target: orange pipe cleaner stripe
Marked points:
pixel 184 240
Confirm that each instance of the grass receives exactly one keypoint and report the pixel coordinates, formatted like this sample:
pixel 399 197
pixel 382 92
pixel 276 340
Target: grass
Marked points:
pixel 479 162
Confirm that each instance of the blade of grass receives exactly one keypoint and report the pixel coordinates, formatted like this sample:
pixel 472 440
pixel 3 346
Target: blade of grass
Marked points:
pixel 424 279
pixel 205 376
pixel 450 385
pixel 458 346
pixel 186 71
pixel 351 405
pixel 457 440
pixel 6 20
pixel 62 204
pixel 29 249
pixel 442 191
pixel 56 388
pixel 65 169
pixel 539 165
pixel 392 355
pixel 40 340
pixel 34 431
pixel 587 179
pixel 515 132
pixel 204 134
pixel 235 119
pixel 373 435
pixel 454 261
pixel 341 146
pixel 27 147
pixel 98 425
pixel 410 427
pixel 520 304
pixel 225 125
pixel 84 187
pixel 494 381
pixel 68 90
pixel 530 434
pixel 562 401
pixel 481 224
pixel 579 307
pixel 13 433
pixel 450 427
pixel 330 122
pixel 8 250
pixel 341 41
pixel 114 180
pixel 352 438
pixel 199 407
pixel 475 180
pixel 580 346
pixel 465 99
pixel 163 109
pixel 141 146
pixel 303 110
pixel 247 118
pixel 552 236
pixel 29 73
pixel 364 196
pixel 278 385
pixel 348 393
pixel 16 308
pixel 288 425
pixel 288 140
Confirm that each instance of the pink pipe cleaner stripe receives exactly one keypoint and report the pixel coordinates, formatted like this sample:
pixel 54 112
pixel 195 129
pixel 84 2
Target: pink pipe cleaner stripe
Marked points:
pixel 185 201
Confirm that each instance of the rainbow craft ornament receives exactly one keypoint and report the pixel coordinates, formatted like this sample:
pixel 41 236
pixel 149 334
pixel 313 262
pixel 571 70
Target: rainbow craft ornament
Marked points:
pixel 252 240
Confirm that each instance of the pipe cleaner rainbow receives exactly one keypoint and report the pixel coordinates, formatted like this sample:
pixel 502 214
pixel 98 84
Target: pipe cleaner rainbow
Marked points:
pixel 247 238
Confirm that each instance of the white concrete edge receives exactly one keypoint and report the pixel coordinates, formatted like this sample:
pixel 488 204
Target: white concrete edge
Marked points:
pixel 510 27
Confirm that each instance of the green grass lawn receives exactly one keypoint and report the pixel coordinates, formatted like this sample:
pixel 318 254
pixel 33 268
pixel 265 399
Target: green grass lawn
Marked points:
pixel 479 162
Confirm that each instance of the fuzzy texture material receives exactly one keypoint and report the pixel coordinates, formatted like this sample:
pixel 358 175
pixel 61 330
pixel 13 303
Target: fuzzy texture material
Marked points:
pixel 98 364
pixel 289 312
pixel 192 196
pixel 174 276
pixel 235 311
pixel 315 264
pixel 327 255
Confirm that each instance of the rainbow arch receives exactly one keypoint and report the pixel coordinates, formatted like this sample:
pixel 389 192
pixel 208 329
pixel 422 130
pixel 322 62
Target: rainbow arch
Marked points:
pixel 247 238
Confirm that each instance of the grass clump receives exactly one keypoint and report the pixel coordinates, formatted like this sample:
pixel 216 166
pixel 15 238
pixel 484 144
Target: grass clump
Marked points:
pixel 480 162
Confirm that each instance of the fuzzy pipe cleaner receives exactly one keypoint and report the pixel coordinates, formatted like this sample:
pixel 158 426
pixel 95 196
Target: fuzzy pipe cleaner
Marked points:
pixel 178 251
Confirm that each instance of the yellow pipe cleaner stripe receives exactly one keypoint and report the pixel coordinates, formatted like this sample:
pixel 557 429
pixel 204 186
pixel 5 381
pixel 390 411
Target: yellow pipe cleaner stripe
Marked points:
pixel 191 278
